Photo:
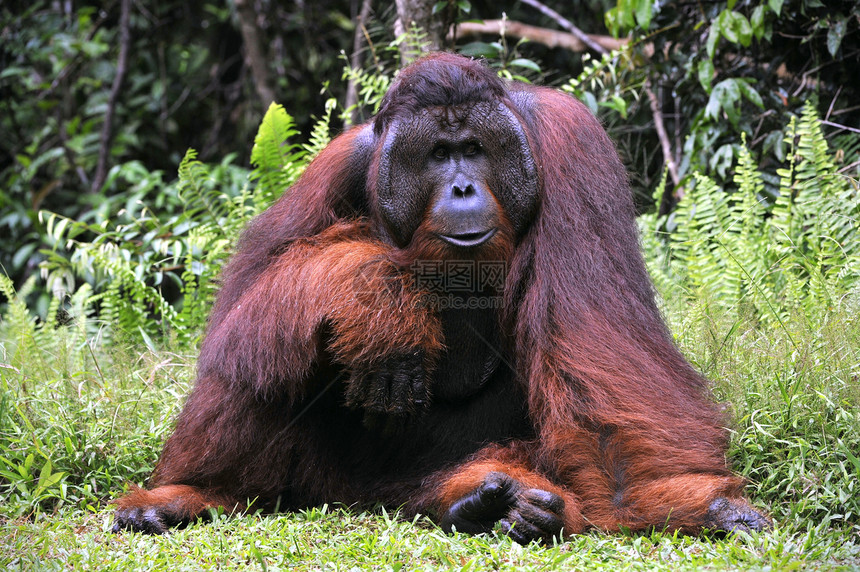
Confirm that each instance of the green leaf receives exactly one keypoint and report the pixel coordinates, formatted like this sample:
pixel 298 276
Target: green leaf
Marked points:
pixel 47 478
pixel 13 71
pixel 45 473
pixel 613 22
pixel 757 22
pixel 735 27
pixel 835 33
pixel 642 11
pixel 722 159
pixel 724 96
pixel 628 12
pixel 618 104
pixel 725 27
pixel 713 38
pixel 24 160
pixel 23 254
pixel 775 140
pixel 750 93
pixel 24 470
pixel 706 74
pixel 775 5
pixel 744 30
pixel 525 63
pixel 147 340
pixel 480 49
pixel 590 101
pixel 465 6
pixel 439 6
pixel 851 457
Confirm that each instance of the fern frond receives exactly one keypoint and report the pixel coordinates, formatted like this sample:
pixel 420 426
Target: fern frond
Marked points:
pixel 320 134
pixel 273 156
pixel 800 254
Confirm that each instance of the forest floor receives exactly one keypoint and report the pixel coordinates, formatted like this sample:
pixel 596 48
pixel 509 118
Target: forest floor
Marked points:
pixel 322 539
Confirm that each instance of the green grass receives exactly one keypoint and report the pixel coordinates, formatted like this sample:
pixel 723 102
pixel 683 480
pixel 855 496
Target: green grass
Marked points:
pixel 344 540
pixel 79 420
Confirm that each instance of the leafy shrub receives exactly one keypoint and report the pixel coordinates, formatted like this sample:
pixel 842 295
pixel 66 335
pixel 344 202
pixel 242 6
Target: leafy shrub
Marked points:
pixel 76 422
pixel 765 293
pixel 155 275
pixel 760 258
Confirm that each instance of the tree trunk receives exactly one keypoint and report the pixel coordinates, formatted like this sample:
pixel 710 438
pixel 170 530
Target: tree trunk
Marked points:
pixel 420 14
pixel 356 58
pixel 113 98
pixel 255 53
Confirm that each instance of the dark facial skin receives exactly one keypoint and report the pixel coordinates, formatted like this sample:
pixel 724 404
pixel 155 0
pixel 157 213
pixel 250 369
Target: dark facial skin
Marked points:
pixel 463 210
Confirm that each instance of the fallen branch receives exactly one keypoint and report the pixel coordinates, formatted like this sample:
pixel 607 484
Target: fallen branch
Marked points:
pixel 566 24
pixel 543 36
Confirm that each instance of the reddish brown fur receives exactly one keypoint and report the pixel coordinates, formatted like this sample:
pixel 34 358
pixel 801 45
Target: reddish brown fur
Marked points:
pixel 620 425
pixel 514 459
pixel 619 410
pixel 180 503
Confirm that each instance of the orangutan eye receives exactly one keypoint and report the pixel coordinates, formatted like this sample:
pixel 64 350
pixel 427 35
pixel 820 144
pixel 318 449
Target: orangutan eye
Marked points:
pixel 440 153
pixel 472 149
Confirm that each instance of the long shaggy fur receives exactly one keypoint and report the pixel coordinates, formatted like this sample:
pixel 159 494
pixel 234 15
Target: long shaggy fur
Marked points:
pixel 590 399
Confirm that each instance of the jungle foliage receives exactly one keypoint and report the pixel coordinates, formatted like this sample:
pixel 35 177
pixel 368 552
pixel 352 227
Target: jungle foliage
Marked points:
pixel 750 222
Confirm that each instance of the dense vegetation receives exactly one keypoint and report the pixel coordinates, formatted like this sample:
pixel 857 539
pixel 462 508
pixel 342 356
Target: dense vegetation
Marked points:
pixel 750 224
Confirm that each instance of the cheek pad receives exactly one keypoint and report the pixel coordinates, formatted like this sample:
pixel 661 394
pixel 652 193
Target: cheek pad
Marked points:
pixel 401 191
pixel 513 174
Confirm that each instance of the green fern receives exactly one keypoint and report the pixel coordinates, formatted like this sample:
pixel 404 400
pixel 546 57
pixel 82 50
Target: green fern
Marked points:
pixel 59 335
pixel 815 220
pixel 704 219
pixel 135 257
pixel 129 263
pixel 801 254
pixel 17 320
pixel 277 162
pixel 321 132
pixel 371 86
pixel 748 245
pixel 412 43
